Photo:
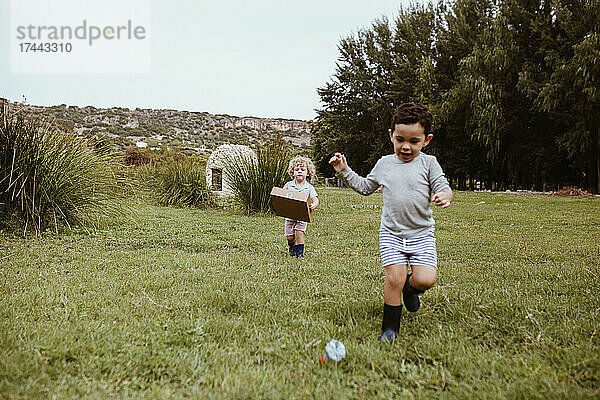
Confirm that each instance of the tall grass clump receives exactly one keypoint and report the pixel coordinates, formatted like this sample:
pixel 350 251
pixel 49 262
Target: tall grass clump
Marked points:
pixel 251 176
pixel 179 183
pixel 50 178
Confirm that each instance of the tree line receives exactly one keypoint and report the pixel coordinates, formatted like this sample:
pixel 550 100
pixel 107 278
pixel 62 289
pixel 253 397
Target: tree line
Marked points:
pixel 514 87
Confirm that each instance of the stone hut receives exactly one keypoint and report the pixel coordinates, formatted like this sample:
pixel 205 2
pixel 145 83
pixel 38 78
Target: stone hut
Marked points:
pixel 219 161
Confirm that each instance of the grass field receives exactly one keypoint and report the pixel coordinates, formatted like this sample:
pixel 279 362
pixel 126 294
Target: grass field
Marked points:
pixel 207 304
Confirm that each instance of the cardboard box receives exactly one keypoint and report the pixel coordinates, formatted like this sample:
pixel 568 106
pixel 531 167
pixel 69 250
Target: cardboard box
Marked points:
pixel 291 204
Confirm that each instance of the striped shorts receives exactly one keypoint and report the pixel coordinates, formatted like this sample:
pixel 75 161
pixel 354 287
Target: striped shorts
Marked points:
pixel 414 251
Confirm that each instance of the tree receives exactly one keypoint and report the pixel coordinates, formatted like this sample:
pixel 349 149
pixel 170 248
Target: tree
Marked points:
pixel 497 83
pixel 378 68
pixel 513 86
pixel 571 96
pixel 460 24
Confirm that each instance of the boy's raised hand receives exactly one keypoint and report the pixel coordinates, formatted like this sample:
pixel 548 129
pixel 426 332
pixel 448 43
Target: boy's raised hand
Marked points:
pixel 443 198
pixel 338 162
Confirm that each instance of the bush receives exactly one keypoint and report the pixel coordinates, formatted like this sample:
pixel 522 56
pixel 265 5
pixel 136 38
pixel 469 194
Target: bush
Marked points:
pixel 167 155
pixel 48 177
pixel 252 176
pixel 136 156
pixel 179 183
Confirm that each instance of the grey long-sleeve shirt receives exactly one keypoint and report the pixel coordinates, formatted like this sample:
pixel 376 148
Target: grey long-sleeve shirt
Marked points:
pixel 407 188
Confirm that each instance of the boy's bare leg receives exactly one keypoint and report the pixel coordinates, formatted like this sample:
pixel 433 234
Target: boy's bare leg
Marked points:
pixel 395 275
pixel 299 236
pixel 291 239
pixel 423 277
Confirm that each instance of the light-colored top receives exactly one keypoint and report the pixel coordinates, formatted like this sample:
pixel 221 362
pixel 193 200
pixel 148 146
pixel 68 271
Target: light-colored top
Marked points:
pixel 305 188
pixel 407 189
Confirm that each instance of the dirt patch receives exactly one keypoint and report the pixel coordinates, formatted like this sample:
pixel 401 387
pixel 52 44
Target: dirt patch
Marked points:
pixel 571 191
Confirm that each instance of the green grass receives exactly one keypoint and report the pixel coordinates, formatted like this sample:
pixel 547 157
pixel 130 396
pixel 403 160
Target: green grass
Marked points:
pixel 207 304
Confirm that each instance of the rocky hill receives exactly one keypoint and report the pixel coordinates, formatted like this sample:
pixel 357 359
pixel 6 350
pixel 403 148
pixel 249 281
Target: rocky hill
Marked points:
pixel 187 131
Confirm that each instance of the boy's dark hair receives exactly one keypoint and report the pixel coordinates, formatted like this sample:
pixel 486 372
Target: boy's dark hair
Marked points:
pixel 410 113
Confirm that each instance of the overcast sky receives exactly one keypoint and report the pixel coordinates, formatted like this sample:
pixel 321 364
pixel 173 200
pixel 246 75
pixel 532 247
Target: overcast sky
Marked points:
pixel 261 58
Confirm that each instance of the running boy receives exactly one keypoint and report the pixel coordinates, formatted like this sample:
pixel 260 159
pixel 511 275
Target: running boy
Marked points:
pixel 408 178
pixel 301 169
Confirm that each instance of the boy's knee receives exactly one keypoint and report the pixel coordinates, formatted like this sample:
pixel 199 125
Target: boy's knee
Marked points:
pixel 423 281
pixel 426 284
pixel 395 281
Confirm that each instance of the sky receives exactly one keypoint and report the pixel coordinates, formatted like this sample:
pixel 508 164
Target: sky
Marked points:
pixel 261 58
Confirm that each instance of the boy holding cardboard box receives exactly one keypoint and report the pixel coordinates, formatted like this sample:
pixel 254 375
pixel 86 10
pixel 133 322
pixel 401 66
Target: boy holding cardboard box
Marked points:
pixel 301 169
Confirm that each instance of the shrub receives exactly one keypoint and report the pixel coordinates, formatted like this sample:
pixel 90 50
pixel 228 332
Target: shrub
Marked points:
pixel 101 143
pixel 136 156
pixel 252 176
pixel 179 183
pixel 48 177
pixel 166 155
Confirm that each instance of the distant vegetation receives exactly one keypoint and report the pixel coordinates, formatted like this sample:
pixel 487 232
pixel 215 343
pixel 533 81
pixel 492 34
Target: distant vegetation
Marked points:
pixel 135 156
pixel 50 178
pixel 513 86
pixel 184 131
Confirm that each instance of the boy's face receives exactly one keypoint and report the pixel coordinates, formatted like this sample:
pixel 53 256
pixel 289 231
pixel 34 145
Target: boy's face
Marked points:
pixel 300 172
pixel 408 140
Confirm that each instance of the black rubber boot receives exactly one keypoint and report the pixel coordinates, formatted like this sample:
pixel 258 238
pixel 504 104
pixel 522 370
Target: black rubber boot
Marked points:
pixel 391 322
pixel 292 249
pixel 410 295
pixel 299 250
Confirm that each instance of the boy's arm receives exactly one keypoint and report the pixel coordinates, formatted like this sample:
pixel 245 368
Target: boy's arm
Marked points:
pixel 439 184
pixel 338 162
pixel 314 200
pixel 443 198
pixel 364 186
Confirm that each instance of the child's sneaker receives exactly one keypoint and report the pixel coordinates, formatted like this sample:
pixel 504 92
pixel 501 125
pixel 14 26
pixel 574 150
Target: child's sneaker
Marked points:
pixel 410 295
pixel 387 336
